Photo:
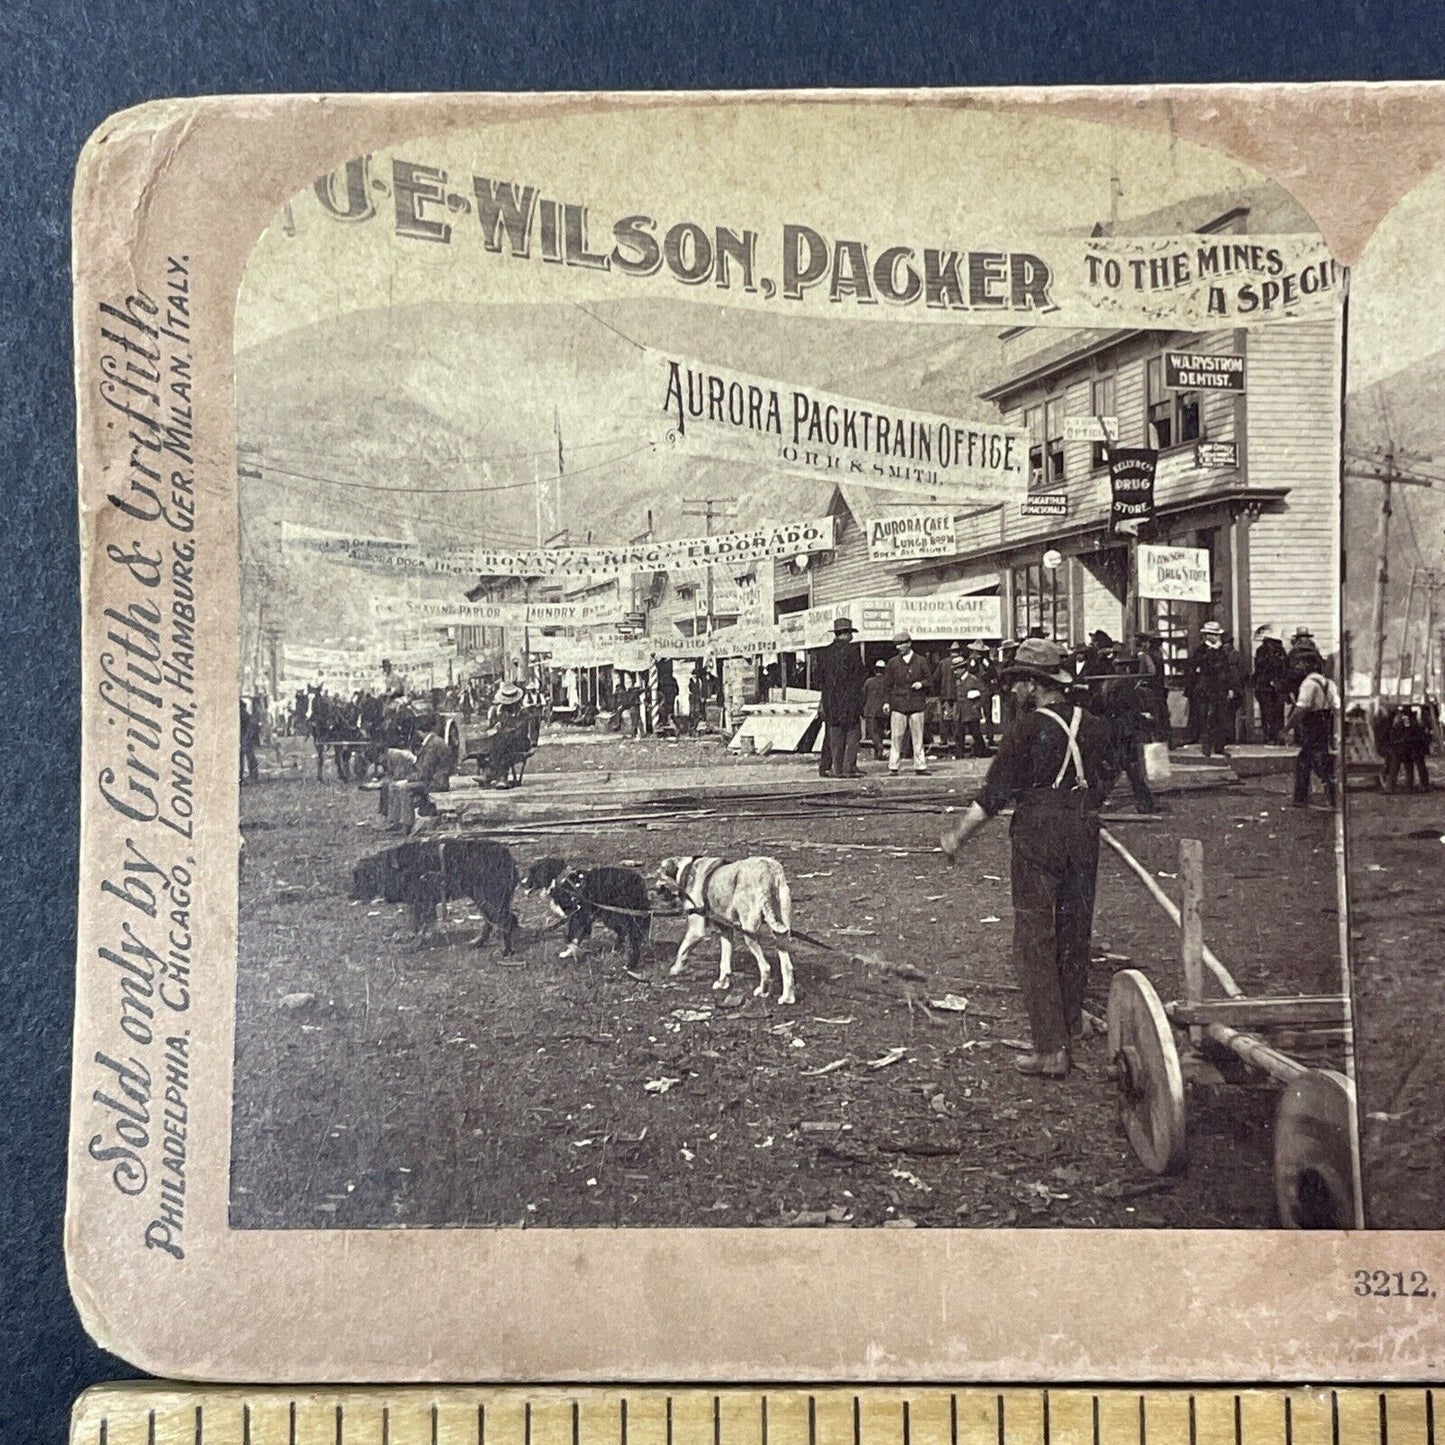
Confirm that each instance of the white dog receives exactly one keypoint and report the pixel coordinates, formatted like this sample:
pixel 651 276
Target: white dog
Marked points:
pixel 740 898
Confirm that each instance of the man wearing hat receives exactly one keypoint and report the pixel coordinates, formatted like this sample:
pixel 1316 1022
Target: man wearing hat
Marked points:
pixel 972 707
pixel 1154 685
pixel 907 679
pixel 841 679
pixel 981 665
pixel 1271 685
pixel 949 670
pixel 1214 689
pixel 1300 661
pixel 506 734
pixel 1049 765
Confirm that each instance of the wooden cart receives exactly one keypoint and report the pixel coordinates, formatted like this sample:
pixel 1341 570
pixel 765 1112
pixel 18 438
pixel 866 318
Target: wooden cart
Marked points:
pixel 1299 1045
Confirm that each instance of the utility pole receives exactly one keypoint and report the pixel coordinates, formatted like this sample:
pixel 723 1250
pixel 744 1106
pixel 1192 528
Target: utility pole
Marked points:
pixel 1382 572
pixel 1383 467
pixel 1428 660
pixel 1403 654
pixel 710 509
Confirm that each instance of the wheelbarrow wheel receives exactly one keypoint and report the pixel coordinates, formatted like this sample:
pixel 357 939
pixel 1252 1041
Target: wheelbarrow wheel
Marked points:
pixel 1145 1062
pixel 1314 1168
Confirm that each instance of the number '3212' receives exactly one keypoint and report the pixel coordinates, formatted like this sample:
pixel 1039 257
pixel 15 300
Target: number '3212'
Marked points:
pixel 1397 1284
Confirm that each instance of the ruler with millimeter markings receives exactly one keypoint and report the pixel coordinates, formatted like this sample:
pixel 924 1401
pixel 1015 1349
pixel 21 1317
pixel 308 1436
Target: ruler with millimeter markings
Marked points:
pixel 150 1414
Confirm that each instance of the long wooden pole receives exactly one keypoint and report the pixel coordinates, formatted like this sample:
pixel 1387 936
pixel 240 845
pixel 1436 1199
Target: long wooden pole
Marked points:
pixel 1382 576
pixel 1222 974
pixel 1191 929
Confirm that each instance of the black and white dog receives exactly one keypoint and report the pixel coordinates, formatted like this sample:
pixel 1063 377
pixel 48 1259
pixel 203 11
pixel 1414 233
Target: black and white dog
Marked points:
pixel 615 897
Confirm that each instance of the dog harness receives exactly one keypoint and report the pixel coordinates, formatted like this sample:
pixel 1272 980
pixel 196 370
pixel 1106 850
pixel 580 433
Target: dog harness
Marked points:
pixel 1072 756
pixel 703 880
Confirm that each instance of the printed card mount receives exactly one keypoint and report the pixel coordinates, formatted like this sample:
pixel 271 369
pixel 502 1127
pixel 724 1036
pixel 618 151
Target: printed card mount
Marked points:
pixel 497 477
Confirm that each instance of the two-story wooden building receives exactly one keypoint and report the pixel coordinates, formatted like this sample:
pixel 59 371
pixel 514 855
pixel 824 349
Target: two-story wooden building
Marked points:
pixel 1250 476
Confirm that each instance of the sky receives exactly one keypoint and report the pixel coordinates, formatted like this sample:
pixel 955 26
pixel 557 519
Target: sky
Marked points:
pixel 1397 300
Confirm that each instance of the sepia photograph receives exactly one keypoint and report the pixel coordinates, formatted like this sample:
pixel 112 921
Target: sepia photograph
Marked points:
pixel 626 686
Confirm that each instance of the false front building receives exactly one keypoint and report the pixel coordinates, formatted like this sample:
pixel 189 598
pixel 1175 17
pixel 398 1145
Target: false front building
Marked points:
pixel 1249 477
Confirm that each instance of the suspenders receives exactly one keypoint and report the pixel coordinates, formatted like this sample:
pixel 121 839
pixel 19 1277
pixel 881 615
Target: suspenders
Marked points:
pixel 1072 755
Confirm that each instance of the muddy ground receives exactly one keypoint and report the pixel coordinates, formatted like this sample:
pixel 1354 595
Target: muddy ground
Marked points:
pixel 380 1082
pixel 1397 857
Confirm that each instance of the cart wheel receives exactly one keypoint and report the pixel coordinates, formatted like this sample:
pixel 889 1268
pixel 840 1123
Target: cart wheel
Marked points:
pixel 1314 1171
pixel 1146 1065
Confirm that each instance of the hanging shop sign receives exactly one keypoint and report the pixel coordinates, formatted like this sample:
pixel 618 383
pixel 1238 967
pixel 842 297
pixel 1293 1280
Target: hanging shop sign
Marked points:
pixel 1174 574
pixel 1131 488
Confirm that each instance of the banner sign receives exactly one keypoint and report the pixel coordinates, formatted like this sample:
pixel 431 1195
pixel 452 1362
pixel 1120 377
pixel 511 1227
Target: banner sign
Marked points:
pixel 1174 574
pixel 1045 504
pixel 875 619
pixel 904 539
pixel 459 227
pixel 1131 484
pixel 300 658
pixel 441 612
pixel 765 542
pixel 1203 371
pixel 1216 454
pixel 711 412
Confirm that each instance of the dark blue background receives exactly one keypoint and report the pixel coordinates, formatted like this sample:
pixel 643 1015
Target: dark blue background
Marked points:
pixel 65 66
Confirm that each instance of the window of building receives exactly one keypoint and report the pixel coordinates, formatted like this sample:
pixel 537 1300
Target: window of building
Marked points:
pixel 1171 621
pixel 1102 402
pixel 1034 424
pixel 1174 417
pixel 1041 599
pixel 1054 441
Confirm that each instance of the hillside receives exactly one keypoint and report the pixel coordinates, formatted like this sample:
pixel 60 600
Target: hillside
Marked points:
pixel 340 425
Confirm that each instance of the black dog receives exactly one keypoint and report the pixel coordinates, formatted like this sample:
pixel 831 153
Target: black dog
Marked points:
pixel 427 873
pixel 615 897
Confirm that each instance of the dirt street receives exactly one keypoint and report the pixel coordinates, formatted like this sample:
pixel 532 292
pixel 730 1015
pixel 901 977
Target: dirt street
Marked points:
pixel 1396 850
pixel 381 1082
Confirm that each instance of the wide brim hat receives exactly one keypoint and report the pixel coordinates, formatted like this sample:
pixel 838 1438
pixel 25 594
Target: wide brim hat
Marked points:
pixel 978 647
pixel 1214 629
pixel 843 624
pixel 1038 657
pixel 508 693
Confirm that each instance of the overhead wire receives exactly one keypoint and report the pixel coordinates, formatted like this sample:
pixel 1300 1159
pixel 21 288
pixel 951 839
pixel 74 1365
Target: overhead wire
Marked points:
pixel 271 467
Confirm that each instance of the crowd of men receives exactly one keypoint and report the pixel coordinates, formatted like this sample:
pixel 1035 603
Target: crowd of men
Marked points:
pixel 955 701
pixel 1403 734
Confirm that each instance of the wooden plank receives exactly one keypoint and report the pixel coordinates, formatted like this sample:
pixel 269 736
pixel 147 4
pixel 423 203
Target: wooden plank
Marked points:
pixel 1191 923
pixel 1245 1013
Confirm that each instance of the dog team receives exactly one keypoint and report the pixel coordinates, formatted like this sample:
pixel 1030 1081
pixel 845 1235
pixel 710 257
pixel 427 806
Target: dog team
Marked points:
pixel 746 902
